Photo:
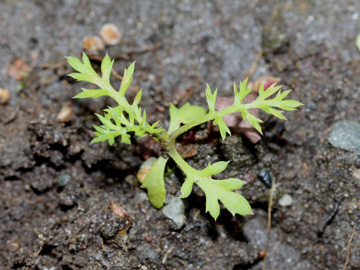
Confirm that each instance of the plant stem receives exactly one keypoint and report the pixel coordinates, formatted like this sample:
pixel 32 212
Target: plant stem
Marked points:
pixel 174 154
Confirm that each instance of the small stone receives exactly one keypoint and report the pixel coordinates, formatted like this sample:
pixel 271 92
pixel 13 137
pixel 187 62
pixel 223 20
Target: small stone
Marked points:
pixel 93 44
pixel 346 135
pixel 186 150
pixel 65 113
pixel 265 177
pixel 357 163
pixel 18 70
pixel 110 34
pixel 356 173
pixel 114 222
pixel 175 211
pixel 286 200
pixel 117 210
pixel 148 238
pixel 63 179
pixel 4 96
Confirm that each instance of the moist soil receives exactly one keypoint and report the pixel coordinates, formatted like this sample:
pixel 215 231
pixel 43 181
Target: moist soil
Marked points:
pixel 60 194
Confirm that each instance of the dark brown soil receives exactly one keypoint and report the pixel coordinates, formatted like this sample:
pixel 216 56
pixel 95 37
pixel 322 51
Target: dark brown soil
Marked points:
pixel 56 189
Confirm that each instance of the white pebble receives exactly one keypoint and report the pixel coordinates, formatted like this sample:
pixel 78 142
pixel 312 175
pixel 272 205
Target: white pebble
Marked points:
pixel 286 200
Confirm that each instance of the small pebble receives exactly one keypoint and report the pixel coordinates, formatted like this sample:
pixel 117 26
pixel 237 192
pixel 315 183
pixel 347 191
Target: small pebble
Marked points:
pixel 187 150
pixel 357 163
pixel 117 210
pixel 65 113
pixel 18 70
pixel 286 200
pixel 346 135
pixel 265 177
pixel 175 211
pixel 63 179
pixel 148 238
pixel 93 44
pixel 110 34
pixel 4 96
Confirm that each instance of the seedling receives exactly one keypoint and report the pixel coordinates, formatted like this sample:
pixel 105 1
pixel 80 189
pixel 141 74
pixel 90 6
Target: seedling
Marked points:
pixel 128 119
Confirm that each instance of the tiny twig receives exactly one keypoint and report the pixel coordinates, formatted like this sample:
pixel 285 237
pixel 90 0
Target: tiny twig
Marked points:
pixel 116 75
pixel 254 65
pixel 51 66
pixel 167 254
pixel 196 214
pixel 330 217
pixel 272 191
pixel 348 250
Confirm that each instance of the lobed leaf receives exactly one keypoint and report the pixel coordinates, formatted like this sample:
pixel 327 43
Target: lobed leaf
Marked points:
pixel 186 188
pixel 215 168
pixel 221 190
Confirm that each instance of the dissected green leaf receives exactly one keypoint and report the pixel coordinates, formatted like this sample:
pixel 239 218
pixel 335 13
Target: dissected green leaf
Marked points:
pixel 263 94
pixel 106 67
pixel 240 94
pixel 184 115
pixel 138 97
pixel 103 134
pixel 127 119
pixel 155 184
pixel 211 98
pixel 127 79
pixel 81 77
pixel 85 71
pixel 76 64
pixel 223 128
pixel 92 93
pixel 255 122
pixel 86 60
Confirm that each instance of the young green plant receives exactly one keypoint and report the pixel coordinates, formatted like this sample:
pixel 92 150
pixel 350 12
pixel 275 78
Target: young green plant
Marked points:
pixel 127 119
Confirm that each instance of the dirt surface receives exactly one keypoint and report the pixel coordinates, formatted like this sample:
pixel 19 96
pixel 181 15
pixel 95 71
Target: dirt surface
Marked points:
pixel 59 194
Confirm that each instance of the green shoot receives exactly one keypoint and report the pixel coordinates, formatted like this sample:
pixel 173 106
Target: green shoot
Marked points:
pixel 126 120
